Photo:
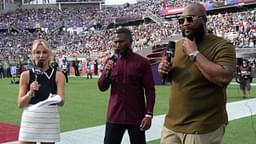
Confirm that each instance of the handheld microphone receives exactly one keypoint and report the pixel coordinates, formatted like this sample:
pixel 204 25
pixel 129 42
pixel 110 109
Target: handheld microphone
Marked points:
pixel 38 69
pixel 169 54
pixel 112 57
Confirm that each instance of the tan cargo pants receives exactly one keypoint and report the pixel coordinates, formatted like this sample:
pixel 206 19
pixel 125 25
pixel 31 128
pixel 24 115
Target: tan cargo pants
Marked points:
pixel 171 137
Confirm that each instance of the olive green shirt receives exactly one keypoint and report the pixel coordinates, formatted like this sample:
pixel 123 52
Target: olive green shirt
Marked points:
pixel 197 105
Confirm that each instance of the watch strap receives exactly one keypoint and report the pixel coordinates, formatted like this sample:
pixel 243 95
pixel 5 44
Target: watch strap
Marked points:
pixel 149 116
pixel 195 53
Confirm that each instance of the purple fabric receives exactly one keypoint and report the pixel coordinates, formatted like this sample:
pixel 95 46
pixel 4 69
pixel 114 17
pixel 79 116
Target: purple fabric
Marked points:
pixel 157 79
pixel 131 79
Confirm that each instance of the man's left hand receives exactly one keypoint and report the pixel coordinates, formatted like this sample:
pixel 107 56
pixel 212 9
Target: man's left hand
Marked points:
pixel 145 124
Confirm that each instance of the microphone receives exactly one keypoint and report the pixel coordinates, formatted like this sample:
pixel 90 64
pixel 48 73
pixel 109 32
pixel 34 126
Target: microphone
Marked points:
pixel 112 57
pixel 169 54
pixel 38 69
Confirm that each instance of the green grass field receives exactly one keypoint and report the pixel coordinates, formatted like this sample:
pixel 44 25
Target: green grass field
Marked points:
pixel 85 106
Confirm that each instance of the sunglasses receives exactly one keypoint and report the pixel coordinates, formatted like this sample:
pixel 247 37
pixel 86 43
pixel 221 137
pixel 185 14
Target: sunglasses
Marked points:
pixel 189 19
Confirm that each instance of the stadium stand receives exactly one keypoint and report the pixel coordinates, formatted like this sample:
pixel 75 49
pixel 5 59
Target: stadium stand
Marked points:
pixel 84 32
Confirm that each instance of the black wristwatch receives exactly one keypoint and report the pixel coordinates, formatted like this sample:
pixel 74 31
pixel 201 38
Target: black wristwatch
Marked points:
pixel 193 55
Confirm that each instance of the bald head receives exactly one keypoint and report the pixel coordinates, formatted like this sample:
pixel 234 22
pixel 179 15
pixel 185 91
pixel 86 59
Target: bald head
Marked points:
pixel 196 9
pixel 193 22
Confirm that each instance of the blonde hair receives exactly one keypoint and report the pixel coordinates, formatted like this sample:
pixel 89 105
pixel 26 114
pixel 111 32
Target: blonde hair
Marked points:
pixel 41 42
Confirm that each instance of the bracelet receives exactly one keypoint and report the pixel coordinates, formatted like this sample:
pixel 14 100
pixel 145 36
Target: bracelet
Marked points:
pixel 149 113
pixel 149 116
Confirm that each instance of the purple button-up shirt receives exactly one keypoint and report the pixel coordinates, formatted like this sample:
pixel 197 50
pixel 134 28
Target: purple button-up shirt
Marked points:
pixel 131 83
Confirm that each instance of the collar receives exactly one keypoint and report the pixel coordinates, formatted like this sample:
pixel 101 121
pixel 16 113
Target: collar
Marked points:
pixel 49 73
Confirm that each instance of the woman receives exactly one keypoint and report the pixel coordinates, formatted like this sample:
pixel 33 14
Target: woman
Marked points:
pixel 40 124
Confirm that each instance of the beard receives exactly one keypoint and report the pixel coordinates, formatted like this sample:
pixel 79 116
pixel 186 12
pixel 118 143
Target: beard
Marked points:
pixel 194 33
pixel 124 51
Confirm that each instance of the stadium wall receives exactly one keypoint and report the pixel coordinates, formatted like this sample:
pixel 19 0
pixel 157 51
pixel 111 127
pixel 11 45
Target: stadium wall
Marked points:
pixel 39 6
pixel 9 7
pixel 78 5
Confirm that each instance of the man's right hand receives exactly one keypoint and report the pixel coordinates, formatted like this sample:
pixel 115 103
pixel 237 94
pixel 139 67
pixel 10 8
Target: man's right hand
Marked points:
pixel 164 66
pixel 109 65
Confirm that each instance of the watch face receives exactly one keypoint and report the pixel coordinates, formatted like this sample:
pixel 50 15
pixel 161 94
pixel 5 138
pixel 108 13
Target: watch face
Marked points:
pixel 192 58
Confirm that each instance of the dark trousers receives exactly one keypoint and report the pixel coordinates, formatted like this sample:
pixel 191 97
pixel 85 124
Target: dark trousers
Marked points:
pixel 114 134
pixel 66 75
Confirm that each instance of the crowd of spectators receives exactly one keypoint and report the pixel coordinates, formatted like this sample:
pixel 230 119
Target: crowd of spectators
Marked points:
pixel 239 27
pixel 76 0
pixel 82 17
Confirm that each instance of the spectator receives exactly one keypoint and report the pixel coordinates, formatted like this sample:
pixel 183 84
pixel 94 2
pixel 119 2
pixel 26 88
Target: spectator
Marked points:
pixel 1 71
pixel 64 69
pixel 245 78
pixel 13 71
pixel 55 64
pixel 76 67
pixel 88 70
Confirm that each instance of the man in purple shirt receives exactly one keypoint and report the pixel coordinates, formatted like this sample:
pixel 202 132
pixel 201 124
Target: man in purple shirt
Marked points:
pixel 131 80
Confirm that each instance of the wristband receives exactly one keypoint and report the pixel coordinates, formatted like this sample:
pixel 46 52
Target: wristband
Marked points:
pixel 149 113
pixel 149 116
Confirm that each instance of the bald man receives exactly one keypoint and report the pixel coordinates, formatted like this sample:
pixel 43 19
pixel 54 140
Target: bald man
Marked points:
pixel 202 67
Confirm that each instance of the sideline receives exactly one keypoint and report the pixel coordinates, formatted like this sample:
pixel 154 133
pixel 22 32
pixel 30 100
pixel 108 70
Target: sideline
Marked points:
pixel 95 135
